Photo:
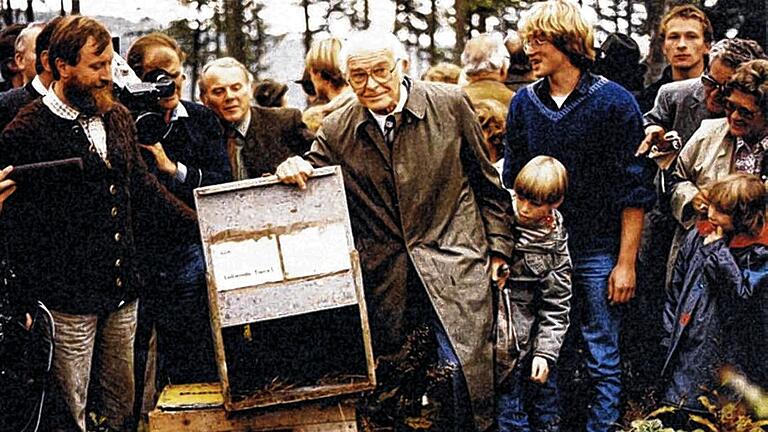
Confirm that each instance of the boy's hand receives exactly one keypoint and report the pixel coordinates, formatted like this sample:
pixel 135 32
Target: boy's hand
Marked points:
pixel 714 236
pixel 7 187
pixel 499 271
pixel 539 370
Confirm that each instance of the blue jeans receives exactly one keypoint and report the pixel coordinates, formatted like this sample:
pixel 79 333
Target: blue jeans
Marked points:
pixel 600 325
pixel 522 404
pixel 462 412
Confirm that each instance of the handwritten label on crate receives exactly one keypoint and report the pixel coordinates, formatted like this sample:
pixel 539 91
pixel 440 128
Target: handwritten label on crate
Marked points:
pixel 315 251
pixel 246 263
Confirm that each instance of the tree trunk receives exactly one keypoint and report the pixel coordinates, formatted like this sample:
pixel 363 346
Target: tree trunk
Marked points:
pixel 219 26
pixel 8 13
pixel 195 59
pixel 234 17
pixel 75 7
pixel 367 17
pixel 655 59
pixel 307 32
pixel 62 12
pixel 432 30
pixel 460 27
pixel 29 13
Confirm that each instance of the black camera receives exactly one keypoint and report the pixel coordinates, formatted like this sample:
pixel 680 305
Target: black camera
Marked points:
pixel 141 98
pixel 144 96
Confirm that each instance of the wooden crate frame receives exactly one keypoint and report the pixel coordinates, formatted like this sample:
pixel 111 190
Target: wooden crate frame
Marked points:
pixel 200 408
pixel 323 202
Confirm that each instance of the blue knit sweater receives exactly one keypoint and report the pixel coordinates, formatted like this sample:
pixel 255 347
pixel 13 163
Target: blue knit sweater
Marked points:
pixel 594 134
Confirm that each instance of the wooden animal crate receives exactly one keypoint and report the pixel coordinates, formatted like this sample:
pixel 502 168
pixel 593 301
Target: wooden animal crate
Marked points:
pixel 200 408
pixel 285 289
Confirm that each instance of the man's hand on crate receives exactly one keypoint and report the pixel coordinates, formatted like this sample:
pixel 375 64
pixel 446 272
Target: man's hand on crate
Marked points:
pixel 294 170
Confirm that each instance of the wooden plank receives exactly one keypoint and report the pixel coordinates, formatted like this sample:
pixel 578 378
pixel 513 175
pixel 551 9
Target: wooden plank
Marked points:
pixel 199 408
pixel 300 394
pixel 191 396
pixel 284 299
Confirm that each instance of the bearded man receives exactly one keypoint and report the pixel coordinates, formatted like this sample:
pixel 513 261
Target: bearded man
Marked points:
pixel 72 235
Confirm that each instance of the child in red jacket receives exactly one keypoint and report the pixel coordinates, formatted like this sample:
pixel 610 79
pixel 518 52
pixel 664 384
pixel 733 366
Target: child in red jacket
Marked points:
pixel 716 307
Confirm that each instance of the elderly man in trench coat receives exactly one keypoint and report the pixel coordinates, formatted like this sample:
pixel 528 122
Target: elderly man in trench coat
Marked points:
pixel 430 218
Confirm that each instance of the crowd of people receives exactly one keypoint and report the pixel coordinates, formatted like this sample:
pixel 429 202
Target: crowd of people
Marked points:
pixel 533 198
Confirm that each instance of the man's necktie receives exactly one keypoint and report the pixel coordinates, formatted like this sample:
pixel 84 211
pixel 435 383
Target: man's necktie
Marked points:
pixel 232 153
pixel 389 130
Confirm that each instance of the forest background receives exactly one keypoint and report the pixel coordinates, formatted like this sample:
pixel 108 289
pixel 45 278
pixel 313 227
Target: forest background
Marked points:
pixel 272 36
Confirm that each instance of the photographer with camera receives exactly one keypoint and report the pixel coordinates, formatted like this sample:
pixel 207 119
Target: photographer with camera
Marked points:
pixel 187 152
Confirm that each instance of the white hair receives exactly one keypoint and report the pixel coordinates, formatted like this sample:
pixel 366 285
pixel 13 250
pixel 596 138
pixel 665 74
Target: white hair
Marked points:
pixel 22 40
pixel 369 41
pixel 485 53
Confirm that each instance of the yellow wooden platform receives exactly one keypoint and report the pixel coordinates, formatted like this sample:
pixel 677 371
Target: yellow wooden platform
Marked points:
pixel 200 408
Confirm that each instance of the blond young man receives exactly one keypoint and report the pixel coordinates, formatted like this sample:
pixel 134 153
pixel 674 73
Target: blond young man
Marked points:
pixel 322 65
pixel 592 126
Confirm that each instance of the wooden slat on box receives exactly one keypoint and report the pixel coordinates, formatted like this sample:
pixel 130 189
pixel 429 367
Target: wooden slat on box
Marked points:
pixel 199 408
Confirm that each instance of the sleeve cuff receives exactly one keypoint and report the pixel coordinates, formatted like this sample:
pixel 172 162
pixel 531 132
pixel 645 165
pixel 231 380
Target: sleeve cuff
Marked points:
pixel 181 172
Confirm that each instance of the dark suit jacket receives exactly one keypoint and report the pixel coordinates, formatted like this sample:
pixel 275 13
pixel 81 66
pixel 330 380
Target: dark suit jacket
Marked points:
pixel 274 135
pixel 197 142
pixel 72 238
pixel 12 101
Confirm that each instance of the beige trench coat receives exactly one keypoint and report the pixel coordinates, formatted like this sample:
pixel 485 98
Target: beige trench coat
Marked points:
pixel 427 213
pixel 705 159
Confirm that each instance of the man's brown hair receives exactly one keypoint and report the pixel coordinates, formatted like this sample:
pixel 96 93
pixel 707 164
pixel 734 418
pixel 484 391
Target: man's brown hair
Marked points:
pixel 687 12
pixel 71 35
pixel 43 41
pixel 138 50
pixel 742 197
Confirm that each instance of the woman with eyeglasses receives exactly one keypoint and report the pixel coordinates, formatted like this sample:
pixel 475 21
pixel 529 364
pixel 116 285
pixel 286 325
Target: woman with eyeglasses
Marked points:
pixel 722 146
pixel 736 143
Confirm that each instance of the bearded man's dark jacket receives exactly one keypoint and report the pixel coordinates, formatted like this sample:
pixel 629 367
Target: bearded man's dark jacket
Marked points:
pixel 72 236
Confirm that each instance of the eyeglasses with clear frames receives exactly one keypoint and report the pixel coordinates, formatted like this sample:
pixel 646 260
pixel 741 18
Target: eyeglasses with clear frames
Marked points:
pixel 381 74
pixel 537 43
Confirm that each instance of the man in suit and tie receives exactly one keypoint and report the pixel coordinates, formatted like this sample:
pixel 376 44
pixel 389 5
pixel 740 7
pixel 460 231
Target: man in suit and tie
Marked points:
pixel 259 138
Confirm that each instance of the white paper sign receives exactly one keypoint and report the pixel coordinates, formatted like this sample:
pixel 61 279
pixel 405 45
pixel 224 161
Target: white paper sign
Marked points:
pixel 244 263
pixel 315 251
